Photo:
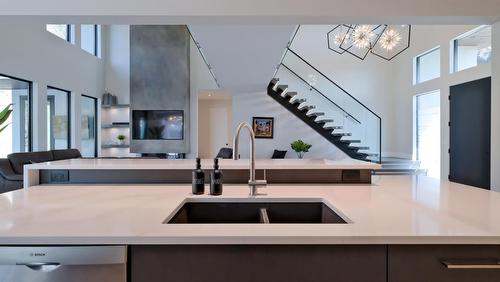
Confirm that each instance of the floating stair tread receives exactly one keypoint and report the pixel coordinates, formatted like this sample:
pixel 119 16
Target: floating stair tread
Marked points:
pixel 307 107
pixel 289 94
pixel 341 134
pixel 298 101
pixel 325 120
pixel 350 141
pixel 332 127
pixel 369 154
pixel 359 147
pixel 315 114
pixel 282 87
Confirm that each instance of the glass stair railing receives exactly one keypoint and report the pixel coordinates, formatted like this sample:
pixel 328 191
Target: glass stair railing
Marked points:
pixel 327 108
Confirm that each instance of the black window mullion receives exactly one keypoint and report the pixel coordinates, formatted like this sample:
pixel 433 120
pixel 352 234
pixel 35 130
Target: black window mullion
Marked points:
pixel 68 32
pixel 69 119
pixel 95 40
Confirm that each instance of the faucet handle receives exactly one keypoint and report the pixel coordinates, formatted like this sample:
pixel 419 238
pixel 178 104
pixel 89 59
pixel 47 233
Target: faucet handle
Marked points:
pixel 258 183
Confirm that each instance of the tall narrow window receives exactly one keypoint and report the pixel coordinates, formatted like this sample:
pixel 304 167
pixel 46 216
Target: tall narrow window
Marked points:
pixel 89 126
pixel 428 132
pixel 472 49
pixel 64 31
pixel 428 66
pixel 15 123
pixel 91 38
pixel 58 121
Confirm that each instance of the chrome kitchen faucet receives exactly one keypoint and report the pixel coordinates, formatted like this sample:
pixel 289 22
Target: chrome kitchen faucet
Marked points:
pixel 252 183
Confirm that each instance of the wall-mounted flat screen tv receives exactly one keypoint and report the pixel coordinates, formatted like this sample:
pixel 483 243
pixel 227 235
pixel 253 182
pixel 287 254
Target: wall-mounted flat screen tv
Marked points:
pixel 157 125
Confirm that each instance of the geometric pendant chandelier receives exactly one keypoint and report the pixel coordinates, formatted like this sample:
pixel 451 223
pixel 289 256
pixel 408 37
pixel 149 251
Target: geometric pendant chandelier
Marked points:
pixel 384 41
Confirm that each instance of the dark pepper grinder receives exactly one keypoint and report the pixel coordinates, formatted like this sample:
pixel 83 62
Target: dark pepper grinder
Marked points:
pixel 216 180
pixel 198 179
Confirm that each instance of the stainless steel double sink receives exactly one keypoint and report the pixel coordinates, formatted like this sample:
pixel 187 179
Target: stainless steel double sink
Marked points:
pixel 255 211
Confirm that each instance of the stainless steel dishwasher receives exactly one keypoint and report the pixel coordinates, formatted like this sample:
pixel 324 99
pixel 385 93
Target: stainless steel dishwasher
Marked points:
pixel 63 264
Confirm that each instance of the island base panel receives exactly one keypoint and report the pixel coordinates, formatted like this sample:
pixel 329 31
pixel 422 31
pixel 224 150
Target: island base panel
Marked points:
pixel 263 263
pixel 181 176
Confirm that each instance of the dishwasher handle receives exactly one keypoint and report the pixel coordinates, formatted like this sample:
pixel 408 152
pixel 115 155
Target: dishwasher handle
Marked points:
pixel 41 266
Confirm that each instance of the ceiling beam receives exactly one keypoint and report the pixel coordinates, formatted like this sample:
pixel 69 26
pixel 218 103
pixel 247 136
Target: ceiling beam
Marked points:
pixel 251 12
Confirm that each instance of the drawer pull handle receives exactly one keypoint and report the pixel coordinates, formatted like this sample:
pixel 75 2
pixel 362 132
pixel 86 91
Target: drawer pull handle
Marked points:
pixel 479 264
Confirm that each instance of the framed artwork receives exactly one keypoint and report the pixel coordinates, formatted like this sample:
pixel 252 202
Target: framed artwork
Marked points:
pixel 263 127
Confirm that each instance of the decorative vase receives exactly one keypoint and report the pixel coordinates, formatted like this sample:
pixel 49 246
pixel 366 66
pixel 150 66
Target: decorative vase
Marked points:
pixel 300 155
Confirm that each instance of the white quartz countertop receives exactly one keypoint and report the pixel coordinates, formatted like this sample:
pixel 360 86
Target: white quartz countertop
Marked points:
pixel 206 164
pixel 393 210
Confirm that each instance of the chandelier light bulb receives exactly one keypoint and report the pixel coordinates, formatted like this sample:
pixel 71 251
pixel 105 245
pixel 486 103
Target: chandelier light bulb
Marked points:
pixel 390 39
pixel 340 37
pixel 362 36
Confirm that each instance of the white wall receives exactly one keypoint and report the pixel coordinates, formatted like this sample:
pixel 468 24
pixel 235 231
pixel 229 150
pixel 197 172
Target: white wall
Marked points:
pixel 117 62
pixel 200 82
pixel 215 126
pixel 29 52
pixel 287 128
pixel 425 38
pixel 495 110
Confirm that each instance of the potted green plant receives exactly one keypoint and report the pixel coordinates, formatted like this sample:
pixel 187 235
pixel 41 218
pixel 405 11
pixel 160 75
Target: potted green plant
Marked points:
pixel 300 147
pixel 4 116
pixel 121 139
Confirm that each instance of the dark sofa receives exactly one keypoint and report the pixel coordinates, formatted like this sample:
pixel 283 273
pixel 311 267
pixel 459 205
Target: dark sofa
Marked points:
pixel 11 168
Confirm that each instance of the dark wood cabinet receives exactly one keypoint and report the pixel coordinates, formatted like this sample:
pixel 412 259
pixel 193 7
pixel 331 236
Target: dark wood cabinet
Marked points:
pixel 315 263
pixel 443 263
pixel 262 263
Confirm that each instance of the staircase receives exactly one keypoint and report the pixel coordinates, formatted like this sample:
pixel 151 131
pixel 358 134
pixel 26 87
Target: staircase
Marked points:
pixel 327 108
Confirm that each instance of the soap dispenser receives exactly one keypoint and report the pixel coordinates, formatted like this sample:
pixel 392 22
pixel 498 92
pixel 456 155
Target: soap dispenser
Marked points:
pixel 198 179
pixel 216 180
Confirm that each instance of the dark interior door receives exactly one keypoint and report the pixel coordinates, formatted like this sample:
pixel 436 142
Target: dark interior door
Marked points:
pixel 470 133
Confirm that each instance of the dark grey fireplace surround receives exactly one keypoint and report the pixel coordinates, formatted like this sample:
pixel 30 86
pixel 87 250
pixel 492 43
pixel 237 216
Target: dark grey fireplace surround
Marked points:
pixel 160 79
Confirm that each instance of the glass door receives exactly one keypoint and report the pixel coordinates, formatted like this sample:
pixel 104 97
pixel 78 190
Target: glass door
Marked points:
pixel 89 126
pixel 58 121
pixel 15 117
pixel 428 132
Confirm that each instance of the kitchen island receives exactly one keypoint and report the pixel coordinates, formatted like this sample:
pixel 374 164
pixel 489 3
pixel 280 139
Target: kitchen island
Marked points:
pixel 164 171
pixel 400 228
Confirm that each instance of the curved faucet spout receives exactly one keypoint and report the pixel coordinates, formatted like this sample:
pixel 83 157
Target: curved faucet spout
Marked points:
pixel 252 182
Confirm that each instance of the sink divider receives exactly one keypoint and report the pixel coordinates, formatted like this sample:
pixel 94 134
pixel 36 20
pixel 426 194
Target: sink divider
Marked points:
pixel 264 218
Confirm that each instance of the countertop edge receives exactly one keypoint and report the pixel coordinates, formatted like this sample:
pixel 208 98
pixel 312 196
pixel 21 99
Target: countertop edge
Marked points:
pixel 262 240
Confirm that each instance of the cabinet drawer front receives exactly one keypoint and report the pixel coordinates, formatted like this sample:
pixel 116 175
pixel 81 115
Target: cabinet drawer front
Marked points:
pixel 444 263
pixel 262 263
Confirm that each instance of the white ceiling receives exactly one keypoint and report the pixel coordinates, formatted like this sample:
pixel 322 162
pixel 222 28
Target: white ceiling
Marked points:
pixel 251 12
pixel 243 57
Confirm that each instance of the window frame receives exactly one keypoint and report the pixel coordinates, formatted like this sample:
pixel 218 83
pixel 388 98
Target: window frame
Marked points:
pixel 30 109
pixel 417 64
pixel 97 42
pixel 96 109
pixel 68 93
pixel 454 44
pixel 70 33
